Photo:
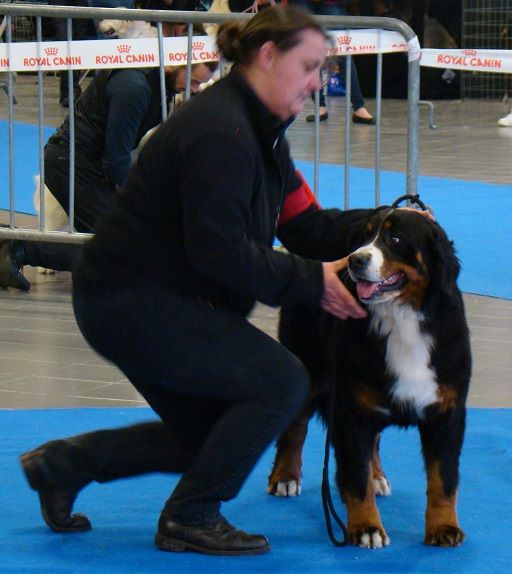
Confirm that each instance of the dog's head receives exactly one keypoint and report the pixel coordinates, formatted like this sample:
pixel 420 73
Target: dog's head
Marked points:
pixel 114 28
pixel 402 255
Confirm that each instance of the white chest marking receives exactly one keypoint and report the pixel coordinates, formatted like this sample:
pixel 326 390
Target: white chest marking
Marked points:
pixel 407 355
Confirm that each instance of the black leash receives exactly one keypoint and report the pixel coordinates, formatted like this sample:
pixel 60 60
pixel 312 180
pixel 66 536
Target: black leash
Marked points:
pixel 326 488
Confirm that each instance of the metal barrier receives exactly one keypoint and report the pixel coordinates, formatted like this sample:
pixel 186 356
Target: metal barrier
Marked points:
pixel 389 35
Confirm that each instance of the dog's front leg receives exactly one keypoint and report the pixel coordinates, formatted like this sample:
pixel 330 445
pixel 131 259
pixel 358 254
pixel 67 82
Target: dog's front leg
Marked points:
pixel 442 442
pixel 286 476
pixel 354 454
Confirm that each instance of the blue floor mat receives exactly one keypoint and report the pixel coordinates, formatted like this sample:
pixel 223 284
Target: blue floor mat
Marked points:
pixel 124 513
pixel 25 165
pixel 477 216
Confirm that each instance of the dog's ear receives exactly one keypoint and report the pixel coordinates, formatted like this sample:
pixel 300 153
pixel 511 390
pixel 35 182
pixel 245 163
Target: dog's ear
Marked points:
pixel 445 264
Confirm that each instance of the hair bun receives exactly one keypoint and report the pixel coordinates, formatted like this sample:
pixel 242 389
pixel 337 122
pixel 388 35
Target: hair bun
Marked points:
pixel 228 40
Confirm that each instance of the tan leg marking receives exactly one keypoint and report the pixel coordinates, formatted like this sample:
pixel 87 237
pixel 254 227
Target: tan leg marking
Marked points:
pixel 442 526
pixel 364 525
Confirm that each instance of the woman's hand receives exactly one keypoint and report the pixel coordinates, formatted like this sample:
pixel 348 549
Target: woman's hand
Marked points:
pixel 337 299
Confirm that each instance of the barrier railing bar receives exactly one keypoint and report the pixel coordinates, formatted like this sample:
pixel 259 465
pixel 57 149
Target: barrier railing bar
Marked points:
pixel 163 91
pixel 190 29
pixel 46 236
pixel 40 127
pixel 200 17
pixel 348 92
pixel 413 91
pixel 10 129
pixel 71 208
pixel 378 129
pixel 316 162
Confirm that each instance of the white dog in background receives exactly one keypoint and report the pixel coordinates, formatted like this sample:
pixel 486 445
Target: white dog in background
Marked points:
pixel 127 29
pixel 55 218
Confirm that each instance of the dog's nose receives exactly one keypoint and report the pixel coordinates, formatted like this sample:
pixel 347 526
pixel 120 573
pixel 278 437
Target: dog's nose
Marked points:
pixel 358 261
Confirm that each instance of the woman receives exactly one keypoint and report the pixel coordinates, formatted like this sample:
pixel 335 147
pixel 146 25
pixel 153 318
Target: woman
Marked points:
pixel 164 288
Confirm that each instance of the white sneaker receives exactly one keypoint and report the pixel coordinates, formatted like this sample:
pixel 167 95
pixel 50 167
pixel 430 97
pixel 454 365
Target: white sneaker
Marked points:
pixel 506 122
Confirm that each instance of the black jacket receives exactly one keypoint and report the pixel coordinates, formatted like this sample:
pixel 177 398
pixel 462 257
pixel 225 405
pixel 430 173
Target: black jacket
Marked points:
pixel 111 116
pixel 201 208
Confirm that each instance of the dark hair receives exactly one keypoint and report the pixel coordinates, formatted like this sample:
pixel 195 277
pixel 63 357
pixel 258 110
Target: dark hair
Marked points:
pixel 282 24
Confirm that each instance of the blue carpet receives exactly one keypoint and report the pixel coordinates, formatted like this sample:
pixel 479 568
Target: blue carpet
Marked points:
pixel 124 513
pixel 477 216
pixel 26 164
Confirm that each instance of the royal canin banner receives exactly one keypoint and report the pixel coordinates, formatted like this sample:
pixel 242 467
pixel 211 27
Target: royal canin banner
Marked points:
pixel 497 61
pixel 94 54
pixel 143 52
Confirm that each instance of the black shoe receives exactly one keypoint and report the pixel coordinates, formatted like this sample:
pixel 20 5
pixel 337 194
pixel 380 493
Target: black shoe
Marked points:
pixel 365 121
pixel 321 118
pixel 220 538
pixel 10 270
pixel 49 471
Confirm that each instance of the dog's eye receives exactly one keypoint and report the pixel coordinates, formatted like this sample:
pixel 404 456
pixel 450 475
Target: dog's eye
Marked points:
pixel 395 239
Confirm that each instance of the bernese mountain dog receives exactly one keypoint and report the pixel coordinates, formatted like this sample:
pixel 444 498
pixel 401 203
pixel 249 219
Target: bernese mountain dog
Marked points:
pixel 407 363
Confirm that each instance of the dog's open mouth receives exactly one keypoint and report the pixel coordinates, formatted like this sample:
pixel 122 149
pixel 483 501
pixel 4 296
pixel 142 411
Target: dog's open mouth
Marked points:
pixel 369 291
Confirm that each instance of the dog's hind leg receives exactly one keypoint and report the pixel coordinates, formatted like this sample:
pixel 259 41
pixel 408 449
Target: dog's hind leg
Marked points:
pixel 286 476
pixel 380 481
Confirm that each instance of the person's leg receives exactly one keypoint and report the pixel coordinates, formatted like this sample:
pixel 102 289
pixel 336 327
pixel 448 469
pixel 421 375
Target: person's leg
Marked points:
pixel 361 114
pixel 59 469
pixel 223 388
pixel 187 348
pixel 92 194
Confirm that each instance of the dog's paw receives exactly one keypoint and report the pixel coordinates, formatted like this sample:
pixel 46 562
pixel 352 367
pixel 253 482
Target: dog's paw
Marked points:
pixel 382 486
pixel 285 488
pixel 369 537
pixel 446 536
pixel 45 271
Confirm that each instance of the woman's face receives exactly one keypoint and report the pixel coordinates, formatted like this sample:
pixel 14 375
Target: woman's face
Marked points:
pixel 290 77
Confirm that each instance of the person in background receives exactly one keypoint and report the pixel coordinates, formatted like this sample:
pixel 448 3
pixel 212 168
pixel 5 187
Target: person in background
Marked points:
pixel 164 288
pixel 82 29
pixel 112 115
pixel 360 114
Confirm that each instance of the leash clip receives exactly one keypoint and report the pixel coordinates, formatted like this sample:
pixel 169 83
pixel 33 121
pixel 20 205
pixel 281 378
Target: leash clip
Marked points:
pixel 413 199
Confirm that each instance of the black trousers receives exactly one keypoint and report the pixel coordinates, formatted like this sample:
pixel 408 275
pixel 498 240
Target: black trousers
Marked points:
pixel 223 389
pixel 93 198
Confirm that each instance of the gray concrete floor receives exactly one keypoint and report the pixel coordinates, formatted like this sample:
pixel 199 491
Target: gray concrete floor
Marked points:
pixel 44 361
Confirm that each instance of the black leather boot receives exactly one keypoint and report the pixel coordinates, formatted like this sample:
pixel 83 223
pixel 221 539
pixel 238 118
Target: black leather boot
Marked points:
pixel 57 470
pixel 11 265
pixel 218 538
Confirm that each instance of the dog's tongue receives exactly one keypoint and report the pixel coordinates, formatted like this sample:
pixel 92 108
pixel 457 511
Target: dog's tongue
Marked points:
pixel 366 289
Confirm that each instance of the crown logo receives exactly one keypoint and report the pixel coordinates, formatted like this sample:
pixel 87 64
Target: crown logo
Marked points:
pixel 469 52
pixel 51 51
pixel 344 40
pixel 197 45
pixel 124 48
